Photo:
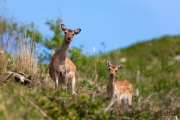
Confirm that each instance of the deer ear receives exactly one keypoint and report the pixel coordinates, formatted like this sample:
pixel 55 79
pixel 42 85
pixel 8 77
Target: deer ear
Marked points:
pixel 77 31
pixel 108 63
pixel 120 67
pixel 63 27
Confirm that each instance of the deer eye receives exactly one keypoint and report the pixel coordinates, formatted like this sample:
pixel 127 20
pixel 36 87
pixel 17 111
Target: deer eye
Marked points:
pixel 116 70
pixel 109 68
pixel 65 32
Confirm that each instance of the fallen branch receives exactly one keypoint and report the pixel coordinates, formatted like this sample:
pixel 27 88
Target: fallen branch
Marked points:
pixel 17 76
pixel 113 100
pixel 38 108
pixel 7 77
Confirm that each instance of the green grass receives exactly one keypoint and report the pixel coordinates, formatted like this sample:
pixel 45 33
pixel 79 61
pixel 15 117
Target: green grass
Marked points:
pixel 151 67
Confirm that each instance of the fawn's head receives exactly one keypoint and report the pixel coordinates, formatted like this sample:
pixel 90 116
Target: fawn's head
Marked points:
pixel 69 34
pixel 113 68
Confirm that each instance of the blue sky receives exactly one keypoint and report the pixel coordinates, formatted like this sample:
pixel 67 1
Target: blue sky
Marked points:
pixel 117 23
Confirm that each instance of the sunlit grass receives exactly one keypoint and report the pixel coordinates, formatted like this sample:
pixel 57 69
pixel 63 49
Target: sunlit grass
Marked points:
pixel 154 74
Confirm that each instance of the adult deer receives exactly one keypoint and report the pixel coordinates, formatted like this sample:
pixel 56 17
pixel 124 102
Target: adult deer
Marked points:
pixel 61 68
pixel 118 90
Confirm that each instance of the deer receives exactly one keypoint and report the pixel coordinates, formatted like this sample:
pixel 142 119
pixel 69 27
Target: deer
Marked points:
pixel 118 90
pixel 61 68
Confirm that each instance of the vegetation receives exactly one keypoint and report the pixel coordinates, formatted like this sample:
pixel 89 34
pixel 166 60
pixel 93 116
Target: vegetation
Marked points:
pixel 152 67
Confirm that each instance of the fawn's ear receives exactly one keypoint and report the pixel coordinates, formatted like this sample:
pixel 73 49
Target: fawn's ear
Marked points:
pixel 120 67
pixel 63 27
pixel 108 63
pixel 77 31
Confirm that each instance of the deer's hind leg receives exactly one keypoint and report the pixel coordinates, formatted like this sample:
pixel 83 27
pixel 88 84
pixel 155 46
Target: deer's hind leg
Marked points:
pixel 130 100
pixel 73 86
pixel 71 82
pixel 60 78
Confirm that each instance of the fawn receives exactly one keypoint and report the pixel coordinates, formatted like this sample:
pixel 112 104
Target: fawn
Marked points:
pixel 120 90
pixel 61 68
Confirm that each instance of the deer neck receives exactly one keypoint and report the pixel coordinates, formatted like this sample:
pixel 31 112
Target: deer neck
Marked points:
pixel 112 85
pixel 63 51
pixel 112 80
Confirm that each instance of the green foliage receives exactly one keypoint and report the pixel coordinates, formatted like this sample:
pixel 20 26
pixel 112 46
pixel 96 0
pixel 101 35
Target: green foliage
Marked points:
pixel 58 105
pixel 35 35
pixel 12 29
pixel 9 27
pixel 52 43
pixel 15 103
pixel 75 54
pixel 87 84
pixel 56 40
pixel 152 67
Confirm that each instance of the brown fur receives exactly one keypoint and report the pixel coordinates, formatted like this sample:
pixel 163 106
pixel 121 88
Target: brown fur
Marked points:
pixel 120 89
pixel 61 68
pixel 121 85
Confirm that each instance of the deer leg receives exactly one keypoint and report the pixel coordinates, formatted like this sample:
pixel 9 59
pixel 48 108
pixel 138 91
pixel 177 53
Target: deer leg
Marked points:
pixel 73 85
pixel 56 81
pixel 119 100
pixel 65 78
pixel 129 100
pixel 69 84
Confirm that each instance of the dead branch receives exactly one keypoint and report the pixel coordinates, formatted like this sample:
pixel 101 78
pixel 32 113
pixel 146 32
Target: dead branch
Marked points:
pixel 17 76
pixel 113 100
pixel 7 77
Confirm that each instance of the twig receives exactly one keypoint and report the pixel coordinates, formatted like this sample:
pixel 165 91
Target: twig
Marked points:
pixel 7 77
pixel 170 92
pixel 40 110
pixel 113 100
pixel 148 97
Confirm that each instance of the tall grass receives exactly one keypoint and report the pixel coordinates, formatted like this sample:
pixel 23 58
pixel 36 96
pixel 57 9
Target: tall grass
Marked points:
pixel 3 43
pixel 3 61
pixel 17 54
pixel 156 82
pixel 27 56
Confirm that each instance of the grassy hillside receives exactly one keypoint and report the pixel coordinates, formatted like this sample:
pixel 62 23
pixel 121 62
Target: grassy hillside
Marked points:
pixel 152 61
pixel 152 67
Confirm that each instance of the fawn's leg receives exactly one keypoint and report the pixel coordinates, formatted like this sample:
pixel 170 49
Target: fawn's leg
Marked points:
pixel 129 100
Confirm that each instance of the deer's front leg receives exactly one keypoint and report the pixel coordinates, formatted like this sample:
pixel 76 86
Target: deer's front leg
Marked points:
pixel 56 75
pixel 73 85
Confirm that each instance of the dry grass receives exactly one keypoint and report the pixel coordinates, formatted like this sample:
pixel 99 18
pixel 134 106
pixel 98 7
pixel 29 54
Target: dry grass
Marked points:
pixel 16 54
pixel 23 56
pixel 27 57
pixel 3 55
pixel 3 61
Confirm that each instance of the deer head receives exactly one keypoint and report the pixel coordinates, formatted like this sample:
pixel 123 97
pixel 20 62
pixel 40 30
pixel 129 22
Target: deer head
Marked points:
pixel 113 68
pixel 69 34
